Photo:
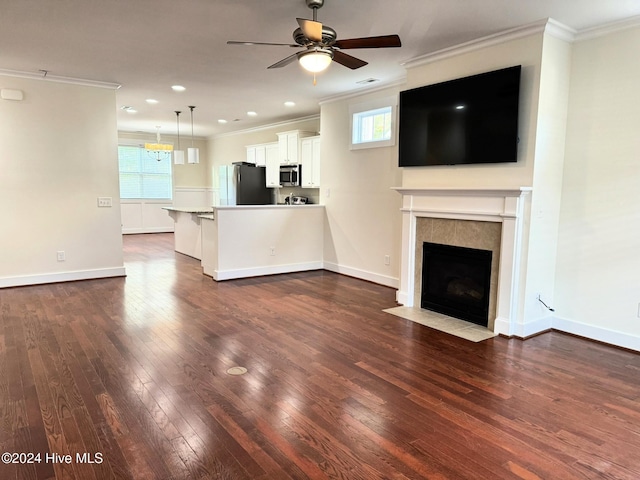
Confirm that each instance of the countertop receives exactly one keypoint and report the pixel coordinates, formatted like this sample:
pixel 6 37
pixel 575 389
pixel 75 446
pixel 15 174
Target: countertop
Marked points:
pixel 211 215
pixel 265 207
pixel 194 210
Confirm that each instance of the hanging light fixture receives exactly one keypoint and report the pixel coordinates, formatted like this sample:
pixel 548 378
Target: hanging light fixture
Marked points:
pixel 193 154
pixel 159 150
pixel 178 155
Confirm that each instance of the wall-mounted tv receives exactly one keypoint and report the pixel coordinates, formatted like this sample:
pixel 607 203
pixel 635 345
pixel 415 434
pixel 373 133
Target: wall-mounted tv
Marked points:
pixel 464 121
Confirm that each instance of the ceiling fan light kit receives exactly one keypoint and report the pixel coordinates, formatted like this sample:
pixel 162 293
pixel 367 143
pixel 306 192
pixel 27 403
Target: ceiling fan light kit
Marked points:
pixel 321 46
pixel 317 60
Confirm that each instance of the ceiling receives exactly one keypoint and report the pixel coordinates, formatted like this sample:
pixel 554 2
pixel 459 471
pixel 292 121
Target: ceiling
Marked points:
pixel 147 46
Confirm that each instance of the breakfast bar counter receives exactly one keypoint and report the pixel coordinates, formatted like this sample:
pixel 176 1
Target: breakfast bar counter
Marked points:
pixel 187 229
pixel 253 240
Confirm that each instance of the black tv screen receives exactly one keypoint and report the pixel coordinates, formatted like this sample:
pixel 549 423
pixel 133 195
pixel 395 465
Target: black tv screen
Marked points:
pixel 464 121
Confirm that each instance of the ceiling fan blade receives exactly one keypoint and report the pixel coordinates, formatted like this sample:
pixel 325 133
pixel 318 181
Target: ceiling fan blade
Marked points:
pixel 284 61
pixel 311 29
pixel 233 42
pixel 383 41
pixel 347 60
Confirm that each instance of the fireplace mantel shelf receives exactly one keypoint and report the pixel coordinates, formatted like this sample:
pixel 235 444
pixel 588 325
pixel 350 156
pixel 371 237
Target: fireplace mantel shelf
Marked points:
pixel 461 191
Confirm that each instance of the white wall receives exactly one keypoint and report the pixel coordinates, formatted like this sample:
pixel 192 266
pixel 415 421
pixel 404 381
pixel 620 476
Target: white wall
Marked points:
pixel 363 213
pixel 598 284
pixel 549 151
pixel 58 156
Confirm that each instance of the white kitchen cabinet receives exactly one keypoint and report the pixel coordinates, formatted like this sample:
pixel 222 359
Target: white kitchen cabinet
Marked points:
pixel 272 162
pixel 310 161
pixel 256 154
pixel 289 146
pixel 251 154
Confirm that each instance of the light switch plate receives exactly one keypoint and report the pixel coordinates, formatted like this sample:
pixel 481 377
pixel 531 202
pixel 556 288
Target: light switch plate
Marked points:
pixel 105 202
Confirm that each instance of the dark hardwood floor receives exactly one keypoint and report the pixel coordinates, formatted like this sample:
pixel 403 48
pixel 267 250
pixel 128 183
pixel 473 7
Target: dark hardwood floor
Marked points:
pixel 131 373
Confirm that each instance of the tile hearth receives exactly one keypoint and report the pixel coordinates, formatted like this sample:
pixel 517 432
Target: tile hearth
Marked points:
pixel 443 323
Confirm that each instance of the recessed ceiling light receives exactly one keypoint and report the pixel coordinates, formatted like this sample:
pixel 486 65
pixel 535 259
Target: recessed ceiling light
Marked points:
pixel 252 114
pixel 151 101
pixel 131 110
pixel 459 107
pixel 289 104
pixel 178 88
pixel 222 120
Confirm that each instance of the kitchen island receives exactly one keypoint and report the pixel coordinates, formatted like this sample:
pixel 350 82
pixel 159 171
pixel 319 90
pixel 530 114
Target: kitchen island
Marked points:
pixel 187 231
pixel 253 240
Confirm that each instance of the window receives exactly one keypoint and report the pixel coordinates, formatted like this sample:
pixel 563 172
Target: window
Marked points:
pixel 142 176
pixel 373 124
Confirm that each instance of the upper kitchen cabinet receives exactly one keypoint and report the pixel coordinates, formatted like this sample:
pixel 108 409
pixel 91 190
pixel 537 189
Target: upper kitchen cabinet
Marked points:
pixel 272 159
pixel 257 154
pixel 289 146
pixel 310 161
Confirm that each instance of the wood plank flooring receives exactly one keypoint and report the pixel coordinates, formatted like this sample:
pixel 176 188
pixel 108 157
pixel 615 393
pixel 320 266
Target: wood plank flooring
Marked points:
pixel 131 373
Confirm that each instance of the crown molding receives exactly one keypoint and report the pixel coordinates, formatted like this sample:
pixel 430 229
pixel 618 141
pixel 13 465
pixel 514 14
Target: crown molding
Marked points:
pixel 608 28
pixel 45 76
pixel 266 127
pixel 479 43
pixel 398 82
pixel 560 30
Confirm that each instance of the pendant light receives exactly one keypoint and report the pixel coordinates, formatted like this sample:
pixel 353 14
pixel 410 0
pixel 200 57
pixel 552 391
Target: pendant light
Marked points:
pixel 178 155
pixel 193 154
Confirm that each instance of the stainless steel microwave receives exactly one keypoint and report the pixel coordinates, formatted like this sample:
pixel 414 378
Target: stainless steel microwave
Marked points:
pixel 290 175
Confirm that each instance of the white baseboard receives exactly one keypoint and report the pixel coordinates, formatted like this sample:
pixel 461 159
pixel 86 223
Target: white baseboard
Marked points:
pixel 502 326
pixel 605 335
pixel 403 299
pixel 219 275
pixel 26 280
pixel 134 231
pixel 363 274
pixel 592 332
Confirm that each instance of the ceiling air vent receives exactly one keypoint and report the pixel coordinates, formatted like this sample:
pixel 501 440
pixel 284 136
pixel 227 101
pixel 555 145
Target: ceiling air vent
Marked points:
pixel 367 80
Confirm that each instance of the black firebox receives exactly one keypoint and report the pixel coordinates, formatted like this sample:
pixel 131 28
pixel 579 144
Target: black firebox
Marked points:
pixel 456 281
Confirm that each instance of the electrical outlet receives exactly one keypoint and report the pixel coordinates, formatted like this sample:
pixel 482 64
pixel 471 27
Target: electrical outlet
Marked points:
pixel 272 251
pixel 328 192
pixel 105 202
pixel 61 256
pixel 387 259
pixel 639 310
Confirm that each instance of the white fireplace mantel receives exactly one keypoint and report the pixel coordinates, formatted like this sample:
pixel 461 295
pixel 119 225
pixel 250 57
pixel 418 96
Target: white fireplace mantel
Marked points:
pixel 504 205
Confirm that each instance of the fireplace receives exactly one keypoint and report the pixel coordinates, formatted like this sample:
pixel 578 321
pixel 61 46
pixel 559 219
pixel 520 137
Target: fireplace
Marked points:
pixel 451 216
pixel 456 281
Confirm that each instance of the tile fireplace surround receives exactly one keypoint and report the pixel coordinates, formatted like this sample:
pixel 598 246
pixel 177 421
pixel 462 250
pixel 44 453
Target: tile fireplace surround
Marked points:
pixel 507 206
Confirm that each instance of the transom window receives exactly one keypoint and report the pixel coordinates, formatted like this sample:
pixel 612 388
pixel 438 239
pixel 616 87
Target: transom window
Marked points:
pixel 373 123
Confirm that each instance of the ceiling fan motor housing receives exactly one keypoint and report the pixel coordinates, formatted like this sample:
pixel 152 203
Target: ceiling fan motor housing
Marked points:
pixel 329 36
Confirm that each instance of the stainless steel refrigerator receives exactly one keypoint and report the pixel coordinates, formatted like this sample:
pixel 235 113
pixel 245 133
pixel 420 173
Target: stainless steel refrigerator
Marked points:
pixel 244 184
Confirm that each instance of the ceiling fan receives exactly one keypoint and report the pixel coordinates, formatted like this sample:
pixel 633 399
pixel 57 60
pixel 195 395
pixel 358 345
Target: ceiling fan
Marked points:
pixel 320 44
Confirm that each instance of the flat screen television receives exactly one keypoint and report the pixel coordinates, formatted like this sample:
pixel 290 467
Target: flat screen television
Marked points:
pixel 469 120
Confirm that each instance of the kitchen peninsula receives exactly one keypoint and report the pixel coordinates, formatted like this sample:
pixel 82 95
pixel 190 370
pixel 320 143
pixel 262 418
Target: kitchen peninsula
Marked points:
pixel 187 235
pixel 252 240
